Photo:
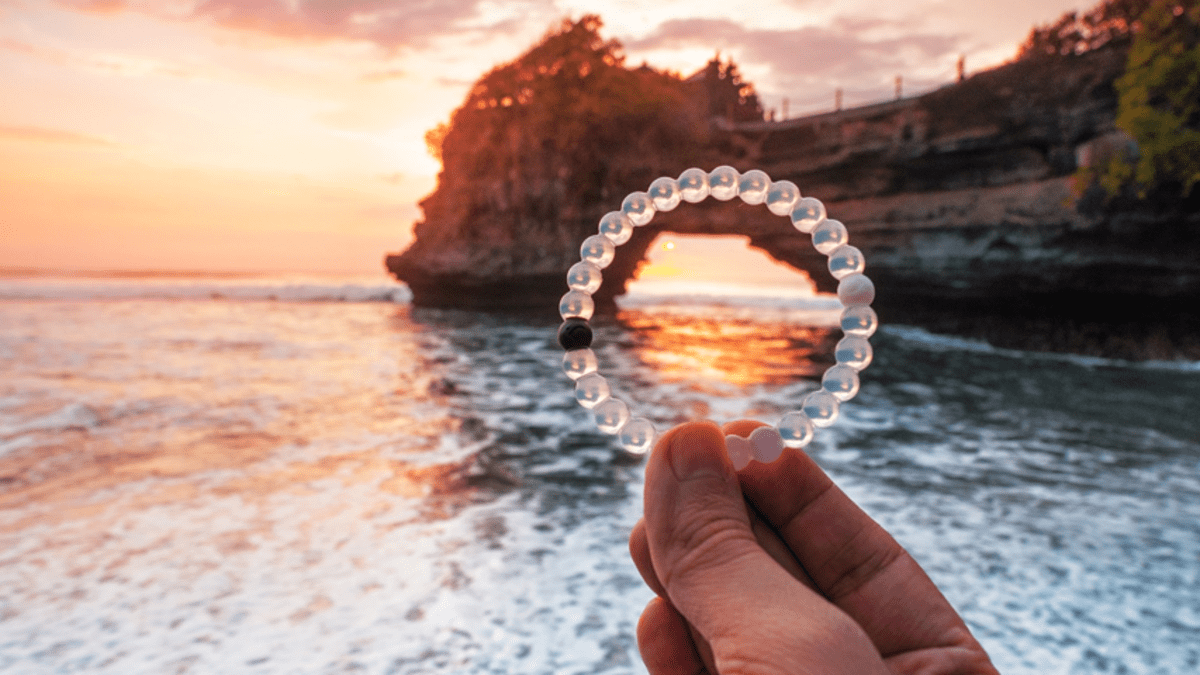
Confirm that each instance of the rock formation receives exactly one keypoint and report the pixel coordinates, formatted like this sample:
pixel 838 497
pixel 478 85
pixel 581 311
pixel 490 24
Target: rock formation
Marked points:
pixel 962 198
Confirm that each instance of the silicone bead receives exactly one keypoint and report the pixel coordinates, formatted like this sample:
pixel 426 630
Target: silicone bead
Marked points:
pixel 576 303
pixel 782 197
pixel 766 445
pixel 591 389
pixel 616 227
pixel 753 185
pixel 584 276
pixel 841 381
pixel 821 408
pixel 693 185
pixel 807 214
pixel 637 436
pixel 796 429
pixel 579 362
pixel 611 415
pixel 664 193
pixel 846 260
pixel 856 289
pixel 829 235
pixel 739 451
pixel 854 351
pixel 723 183
pixel 575 333
pixel 598 250
pixel 638 208
pixel 859 320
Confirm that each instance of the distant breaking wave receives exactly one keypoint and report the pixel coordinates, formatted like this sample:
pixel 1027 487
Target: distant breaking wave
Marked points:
pixel 248 288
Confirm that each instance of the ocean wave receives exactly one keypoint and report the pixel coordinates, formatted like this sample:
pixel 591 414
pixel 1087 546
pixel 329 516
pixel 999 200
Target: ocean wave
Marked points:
pixel 939 342
pixel 219 288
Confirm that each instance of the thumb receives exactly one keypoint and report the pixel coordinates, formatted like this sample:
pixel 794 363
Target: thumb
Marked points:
pixel 698 529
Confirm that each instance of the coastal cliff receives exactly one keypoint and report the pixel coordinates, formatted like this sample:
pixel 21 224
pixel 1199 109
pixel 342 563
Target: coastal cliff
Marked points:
pixel 962 199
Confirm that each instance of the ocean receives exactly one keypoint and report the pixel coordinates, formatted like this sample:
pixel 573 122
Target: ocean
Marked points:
pixel 270 474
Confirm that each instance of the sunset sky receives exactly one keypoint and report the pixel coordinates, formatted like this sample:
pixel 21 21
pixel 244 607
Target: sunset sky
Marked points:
pixel 287 135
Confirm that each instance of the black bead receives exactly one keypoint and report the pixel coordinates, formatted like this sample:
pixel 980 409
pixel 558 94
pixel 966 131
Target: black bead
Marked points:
pixel 575 333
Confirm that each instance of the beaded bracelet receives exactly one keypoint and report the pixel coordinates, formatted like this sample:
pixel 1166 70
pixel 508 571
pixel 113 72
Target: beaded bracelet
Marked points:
pixel 855 291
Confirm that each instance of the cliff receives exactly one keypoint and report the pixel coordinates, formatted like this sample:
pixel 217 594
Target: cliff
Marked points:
pixel 962 199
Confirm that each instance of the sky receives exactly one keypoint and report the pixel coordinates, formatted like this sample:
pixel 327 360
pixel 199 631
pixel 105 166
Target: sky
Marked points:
pixel 288 135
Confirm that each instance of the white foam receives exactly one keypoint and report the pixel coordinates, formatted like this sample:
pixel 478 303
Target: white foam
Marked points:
pixel 280 289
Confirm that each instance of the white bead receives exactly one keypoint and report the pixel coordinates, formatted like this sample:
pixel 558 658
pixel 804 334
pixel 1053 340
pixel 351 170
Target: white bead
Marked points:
pixel 693 185
pixel 841 381
pixel 821 408
pixel 782 197
pixel 753 186
pixel 796 429
pixel 807 214
pixel 598 250
pixel 584 276
pixel 664 193
pixel 637 436
pixel 576 303
pixel 854 351
pixel 738 449
pixel 579 362
pixel 766 445
pixel 638 208
pixel 829 235
pixel 611 415
pixel 591 389
pixel 856 289
pixel 723 183
pixel 859 320
pixel 846 260
pixel 616 227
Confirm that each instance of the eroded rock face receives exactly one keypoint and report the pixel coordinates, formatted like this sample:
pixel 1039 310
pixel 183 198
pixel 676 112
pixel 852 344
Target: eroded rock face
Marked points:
pixel 961 196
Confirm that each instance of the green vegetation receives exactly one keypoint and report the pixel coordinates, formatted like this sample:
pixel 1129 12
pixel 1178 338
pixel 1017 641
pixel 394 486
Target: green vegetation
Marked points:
pixel 1158 96
pixel 1160 103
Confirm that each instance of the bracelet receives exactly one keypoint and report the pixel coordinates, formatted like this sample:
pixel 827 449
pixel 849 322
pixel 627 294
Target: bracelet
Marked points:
pixel 846 263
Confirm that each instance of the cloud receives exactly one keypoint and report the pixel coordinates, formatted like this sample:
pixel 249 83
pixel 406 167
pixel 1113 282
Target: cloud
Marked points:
pixel 388 23
pixel 45 135
pixel 809 62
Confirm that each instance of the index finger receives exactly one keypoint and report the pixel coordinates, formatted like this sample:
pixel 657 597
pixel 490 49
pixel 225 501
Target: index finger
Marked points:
pixel 854 562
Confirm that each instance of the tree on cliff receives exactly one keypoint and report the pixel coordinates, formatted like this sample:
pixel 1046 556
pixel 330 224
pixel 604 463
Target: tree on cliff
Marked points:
pixel 1160 102
pixel 571 101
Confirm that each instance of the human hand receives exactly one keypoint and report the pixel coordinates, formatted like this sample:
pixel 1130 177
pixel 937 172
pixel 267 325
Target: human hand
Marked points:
pixel 775 570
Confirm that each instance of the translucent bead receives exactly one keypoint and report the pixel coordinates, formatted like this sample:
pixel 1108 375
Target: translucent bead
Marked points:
pixel 637 436
pixel 753 186
pixel 854 351
pixel 611 415
pixel 616 227
pixel 821 408
pixel 598 250
pixel 829 235
pixel 591 389
pixel 856 289
pixel 807 214
pixel 584 276
pixel 782 197
pixel 693 185
pixel 797 430
pixel 664 193
pixel 723 183
pixel 846 260
pixel 638 208
pixel 859 320
pixel 579 362
pixel 576 303
pixel 841 381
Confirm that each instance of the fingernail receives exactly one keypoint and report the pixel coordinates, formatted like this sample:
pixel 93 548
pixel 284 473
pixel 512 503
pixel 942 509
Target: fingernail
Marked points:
pixel 696 452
